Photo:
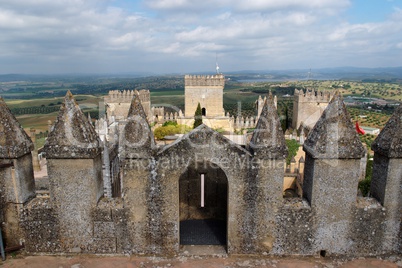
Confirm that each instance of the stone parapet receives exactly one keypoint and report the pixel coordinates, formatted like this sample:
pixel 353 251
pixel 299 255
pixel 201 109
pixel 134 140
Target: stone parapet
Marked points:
pixel 127 95
pixel 204 80
pixel 203 175
pixel 313 95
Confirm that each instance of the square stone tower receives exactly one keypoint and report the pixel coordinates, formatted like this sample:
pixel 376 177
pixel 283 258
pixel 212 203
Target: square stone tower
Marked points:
pixel 206 90
pixel 308 107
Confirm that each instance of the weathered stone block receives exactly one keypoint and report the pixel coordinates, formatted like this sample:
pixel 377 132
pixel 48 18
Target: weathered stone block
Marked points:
pixel 119 215
pixel 294 228
pixel 368 227
pixel 104 229
pixel 103 245
pixel 41 236
pixel 102 214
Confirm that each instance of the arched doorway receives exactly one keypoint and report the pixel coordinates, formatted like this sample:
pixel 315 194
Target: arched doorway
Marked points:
pixel 203 112
pixel 203 195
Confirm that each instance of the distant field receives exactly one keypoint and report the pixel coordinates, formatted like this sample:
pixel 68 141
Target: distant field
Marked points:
pixel 38 122
pixel 389 91
pixel 34 103
pixel 87 103
pixel 22 103
pixel 368 118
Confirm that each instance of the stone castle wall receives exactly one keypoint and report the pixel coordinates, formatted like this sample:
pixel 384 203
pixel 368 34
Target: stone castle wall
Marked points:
pixel 308 107
pixel 118 102
pixel 329 218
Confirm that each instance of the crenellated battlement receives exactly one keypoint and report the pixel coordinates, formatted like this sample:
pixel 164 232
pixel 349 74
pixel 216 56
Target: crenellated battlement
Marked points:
pixel 127 95
pixel 313 95
pixel 308 106
pixel 204 80
pixel 122 194
pixel 118 102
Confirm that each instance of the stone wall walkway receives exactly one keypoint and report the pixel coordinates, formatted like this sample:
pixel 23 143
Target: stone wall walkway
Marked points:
pixel 83 261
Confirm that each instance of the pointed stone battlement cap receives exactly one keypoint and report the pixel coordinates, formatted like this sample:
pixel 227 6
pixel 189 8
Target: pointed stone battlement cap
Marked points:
pixel 136 140
pixel 14 141
pixel 72 136
pixel 389 141
pixel 334 136
pixel 268 141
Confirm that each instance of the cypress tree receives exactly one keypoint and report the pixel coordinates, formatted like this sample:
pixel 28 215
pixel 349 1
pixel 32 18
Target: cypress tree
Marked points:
pixel 197 116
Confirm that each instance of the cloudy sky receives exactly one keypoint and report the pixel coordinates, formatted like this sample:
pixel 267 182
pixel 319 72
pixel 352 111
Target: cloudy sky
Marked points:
pixel 169 36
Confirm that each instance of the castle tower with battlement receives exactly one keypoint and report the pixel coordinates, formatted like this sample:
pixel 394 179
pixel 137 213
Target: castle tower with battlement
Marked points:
pixel 118 102
pixel 206 90
pixel 308 107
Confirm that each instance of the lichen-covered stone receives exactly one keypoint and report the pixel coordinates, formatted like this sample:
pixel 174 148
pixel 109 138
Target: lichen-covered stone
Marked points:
pixel 389 142
pixel 72 136
pixel 14 141
pixel 367 227
pixel 40 224
pixel 334 136
pixel 136 139
pixel 294 228
pixel 268 140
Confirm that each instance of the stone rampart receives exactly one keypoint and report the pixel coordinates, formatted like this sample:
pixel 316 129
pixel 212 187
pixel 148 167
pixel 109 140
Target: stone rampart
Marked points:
pixel 158 186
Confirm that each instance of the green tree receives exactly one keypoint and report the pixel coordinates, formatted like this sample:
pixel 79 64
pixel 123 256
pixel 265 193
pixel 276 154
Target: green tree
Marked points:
pixel 198 116
pixel 293 147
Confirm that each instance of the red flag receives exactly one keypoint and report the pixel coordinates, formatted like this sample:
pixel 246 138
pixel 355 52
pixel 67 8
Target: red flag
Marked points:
pixel 359 129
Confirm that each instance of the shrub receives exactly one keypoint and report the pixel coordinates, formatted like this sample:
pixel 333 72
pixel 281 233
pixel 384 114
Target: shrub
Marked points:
pixel 169 123
pixel 167 130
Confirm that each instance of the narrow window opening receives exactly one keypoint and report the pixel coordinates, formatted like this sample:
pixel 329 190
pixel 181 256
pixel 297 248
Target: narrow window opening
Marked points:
pixel 323 253
pixel 365 182
pixel 202 190
pixel 204 111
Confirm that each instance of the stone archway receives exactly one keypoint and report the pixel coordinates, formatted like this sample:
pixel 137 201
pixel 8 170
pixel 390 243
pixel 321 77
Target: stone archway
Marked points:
pixel 203 197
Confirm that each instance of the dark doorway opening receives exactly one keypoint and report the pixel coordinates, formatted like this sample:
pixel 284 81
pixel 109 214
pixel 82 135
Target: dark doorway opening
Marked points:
pixel 203 192
pixel 204 111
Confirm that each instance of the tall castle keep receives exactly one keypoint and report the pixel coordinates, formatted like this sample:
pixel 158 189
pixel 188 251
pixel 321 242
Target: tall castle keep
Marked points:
pixel 119 193
pixel 206 90
pixel 308 107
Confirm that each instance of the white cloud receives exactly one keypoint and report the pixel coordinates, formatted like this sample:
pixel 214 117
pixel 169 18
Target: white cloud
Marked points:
pixel 269 5
pixel 268 34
